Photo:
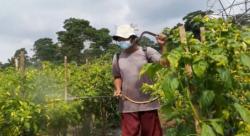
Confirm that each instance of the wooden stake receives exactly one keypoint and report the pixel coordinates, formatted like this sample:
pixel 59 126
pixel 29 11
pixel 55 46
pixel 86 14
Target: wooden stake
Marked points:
pixel 22 72
pixel 202 34
pixel 22 62
pixel 183 38
pixel 65 78
pixel 188 69
pixel 182 34
pixel 16 64
pixel 87 61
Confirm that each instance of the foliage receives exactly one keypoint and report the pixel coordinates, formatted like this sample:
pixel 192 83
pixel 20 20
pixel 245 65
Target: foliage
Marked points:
pixel 216 98
pixel 34 104
pixel 191 24
pixel 19 117
pixel 46 50
pixel 11 61
pixel 213 101
pixel 145 41
pixel 80 39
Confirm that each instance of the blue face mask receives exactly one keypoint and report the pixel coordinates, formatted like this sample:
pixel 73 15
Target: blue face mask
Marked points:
pixel 124 44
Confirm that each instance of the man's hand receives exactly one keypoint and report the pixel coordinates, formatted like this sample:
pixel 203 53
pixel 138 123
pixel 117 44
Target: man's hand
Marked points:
pixel 164 62
pixel 118 86
pixel 117 93
pixel 161 39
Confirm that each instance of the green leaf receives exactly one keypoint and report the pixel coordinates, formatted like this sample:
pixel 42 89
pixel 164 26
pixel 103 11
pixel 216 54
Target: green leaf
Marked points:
pixel 207 98
pixel 200 68
pixel 150 69
pixel 248 96
pixel 225 114
pixel 246 38
pixel 207 130
pixel 220 59
pixel 245 60
pixel 174 57
pixel 173 113
pixel 217 127
pixel 27 125
pixel 244 113
pixel 169 86
pixel 225 76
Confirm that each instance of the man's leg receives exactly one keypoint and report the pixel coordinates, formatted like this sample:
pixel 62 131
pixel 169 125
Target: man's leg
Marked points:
pixel 130 124
pixel 150 123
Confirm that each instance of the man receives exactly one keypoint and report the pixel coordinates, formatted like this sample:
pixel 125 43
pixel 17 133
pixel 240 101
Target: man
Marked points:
pixel 136 118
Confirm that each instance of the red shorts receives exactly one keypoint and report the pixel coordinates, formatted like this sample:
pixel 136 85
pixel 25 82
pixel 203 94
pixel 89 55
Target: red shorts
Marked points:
pixel 144 123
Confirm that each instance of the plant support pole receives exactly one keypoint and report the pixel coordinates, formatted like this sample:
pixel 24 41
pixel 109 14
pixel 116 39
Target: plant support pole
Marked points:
pixel 16 63
pixel 22 72
pixel 65 78
pixel 202 34
pixel 22 63
pixel 196 117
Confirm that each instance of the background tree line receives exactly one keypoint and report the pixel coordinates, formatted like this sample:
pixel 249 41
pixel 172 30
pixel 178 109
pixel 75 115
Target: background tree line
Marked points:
pixel 79 41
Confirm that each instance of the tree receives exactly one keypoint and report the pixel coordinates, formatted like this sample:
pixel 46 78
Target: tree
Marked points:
pixel 102 39
pixel 242 19
pixel 77 31
pixel 1 64
pixel 100 44
pixel 46 50
pixel 194 25
pixel 11 61
pixel 145 41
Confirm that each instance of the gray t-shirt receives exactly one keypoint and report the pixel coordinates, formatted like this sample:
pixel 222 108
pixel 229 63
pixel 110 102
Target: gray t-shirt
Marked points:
pixel 129 70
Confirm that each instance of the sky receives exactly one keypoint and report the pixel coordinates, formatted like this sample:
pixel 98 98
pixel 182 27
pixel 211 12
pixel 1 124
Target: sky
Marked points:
pixel 25 21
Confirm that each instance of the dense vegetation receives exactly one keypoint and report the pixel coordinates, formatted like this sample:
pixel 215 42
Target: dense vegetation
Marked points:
pixel 214 99
pixel 34 104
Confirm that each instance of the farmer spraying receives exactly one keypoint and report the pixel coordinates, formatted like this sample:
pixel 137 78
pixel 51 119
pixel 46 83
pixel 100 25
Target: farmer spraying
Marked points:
pixel 139 112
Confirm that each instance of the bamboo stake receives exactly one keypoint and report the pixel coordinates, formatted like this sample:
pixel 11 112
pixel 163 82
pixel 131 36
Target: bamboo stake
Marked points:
pixel 16 63
pixel 188 68
pixel 182 34
pixel 22 72
pixel 22 62
pixel 65 78
pixel 202 34
pixel 86 61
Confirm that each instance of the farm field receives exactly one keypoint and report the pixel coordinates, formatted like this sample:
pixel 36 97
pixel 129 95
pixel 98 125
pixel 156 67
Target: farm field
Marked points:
pixel 204 89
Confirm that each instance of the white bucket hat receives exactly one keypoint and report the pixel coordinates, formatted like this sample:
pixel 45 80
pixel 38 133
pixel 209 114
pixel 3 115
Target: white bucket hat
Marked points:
pixel 124 31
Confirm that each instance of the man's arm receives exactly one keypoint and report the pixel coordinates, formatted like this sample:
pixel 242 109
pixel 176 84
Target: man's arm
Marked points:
pixel 118 86
pixel 117 77
pixel 161 40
